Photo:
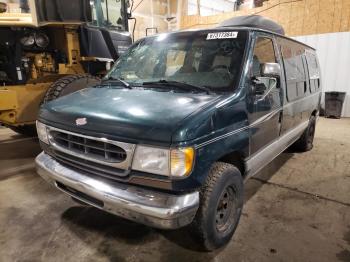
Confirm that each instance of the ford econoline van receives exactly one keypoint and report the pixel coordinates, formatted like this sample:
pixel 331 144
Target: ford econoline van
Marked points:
pixel 171 133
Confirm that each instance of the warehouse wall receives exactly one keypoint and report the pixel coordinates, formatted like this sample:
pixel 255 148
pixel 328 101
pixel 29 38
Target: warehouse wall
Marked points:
pixel 298 17
pixel 333 51
pixel 149 13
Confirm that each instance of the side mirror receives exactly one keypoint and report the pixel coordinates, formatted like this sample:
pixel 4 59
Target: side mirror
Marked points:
pixel 262 84
pixel 259 89
pixel 271 70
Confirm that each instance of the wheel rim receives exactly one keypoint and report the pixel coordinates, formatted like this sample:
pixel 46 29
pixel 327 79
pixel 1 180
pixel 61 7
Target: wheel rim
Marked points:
pixel 226 209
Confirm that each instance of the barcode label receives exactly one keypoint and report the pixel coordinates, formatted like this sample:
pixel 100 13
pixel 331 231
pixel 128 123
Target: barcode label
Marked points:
pixel 222 35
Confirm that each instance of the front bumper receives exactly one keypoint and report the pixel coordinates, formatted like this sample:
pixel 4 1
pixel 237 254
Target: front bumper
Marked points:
pixel 153 208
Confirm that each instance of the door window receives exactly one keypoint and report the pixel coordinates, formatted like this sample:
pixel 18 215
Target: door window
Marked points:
pixel 267 95
pixel 263 53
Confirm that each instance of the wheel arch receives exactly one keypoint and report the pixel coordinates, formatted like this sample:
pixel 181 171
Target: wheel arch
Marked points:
pixel 235 158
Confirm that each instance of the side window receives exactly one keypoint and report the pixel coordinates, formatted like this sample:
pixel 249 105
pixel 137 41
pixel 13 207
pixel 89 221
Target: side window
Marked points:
pixel 115 14
pixel 107 13
pixel 300 72
pixel 289 61
pixel 313 66
pixel 292 55
pixel 313 72
pixel 263 53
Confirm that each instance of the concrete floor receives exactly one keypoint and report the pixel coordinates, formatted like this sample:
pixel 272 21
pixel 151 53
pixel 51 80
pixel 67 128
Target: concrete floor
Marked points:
pixel 296 209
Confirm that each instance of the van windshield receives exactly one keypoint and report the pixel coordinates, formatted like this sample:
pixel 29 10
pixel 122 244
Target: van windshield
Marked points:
pixel 212 60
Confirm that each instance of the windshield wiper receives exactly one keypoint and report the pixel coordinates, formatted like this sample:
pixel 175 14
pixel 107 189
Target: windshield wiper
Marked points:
pixel 177 84
pixel 111 79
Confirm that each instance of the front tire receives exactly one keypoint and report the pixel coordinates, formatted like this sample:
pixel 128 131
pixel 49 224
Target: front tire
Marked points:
pixel 221 202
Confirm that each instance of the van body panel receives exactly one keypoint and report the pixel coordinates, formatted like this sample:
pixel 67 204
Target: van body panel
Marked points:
pixel 256 127
pixel 299 101
pixel 140 115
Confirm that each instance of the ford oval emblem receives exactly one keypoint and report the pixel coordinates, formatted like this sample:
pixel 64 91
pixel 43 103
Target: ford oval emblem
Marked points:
pixel 81 121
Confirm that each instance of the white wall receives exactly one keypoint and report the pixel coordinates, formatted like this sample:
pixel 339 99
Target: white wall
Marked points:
pixel 333 52
pixel 210 7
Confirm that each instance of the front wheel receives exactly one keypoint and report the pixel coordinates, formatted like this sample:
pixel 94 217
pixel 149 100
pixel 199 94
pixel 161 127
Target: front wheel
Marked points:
pixel 221 202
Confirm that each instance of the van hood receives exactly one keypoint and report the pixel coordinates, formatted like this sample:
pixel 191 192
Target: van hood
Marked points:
pixel 136 114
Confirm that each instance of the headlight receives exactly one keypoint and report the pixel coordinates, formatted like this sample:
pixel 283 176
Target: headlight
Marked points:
pixel 151 160
pixel 174 162
pixel 42 132
pixel 28 40
pixel 41 40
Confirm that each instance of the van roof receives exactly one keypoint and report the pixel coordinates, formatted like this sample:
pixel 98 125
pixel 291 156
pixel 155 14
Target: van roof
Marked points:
pixel 244 28
pixel 256 21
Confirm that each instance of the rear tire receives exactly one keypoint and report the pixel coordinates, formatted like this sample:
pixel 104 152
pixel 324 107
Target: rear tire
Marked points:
pixel 26 130
pixel 305 142
pixel 69 84
pixel 221 202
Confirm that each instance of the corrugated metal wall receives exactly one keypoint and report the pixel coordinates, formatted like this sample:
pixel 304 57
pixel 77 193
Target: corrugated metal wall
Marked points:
pixel 334 55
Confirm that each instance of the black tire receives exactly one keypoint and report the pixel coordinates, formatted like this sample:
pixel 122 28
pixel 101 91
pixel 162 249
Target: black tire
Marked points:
pixel 26 130
pixel 69 84
pixel 305 142
pixel 212 226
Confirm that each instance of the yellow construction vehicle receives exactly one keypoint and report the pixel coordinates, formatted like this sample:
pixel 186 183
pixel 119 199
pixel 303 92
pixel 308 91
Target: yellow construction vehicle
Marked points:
pixel 50 48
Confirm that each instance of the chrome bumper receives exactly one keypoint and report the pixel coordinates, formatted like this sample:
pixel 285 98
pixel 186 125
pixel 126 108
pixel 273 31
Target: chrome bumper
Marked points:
pixel 145 206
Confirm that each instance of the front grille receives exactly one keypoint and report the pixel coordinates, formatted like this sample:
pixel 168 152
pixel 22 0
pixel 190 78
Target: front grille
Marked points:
pixel 93 149
pixel 91 155
pixel 86 166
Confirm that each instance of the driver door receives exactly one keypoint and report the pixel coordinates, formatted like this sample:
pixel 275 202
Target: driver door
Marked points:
pixel 267 98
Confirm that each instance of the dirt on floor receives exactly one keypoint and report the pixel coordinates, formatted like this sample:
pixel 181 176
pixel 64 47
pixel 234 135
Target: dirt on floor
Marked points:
pixel 296 209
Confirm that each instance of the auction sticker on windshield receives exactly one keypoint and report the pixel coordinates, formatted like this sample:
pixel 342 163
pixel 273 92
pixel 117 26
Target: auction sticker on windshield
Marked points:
pixel 222 35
